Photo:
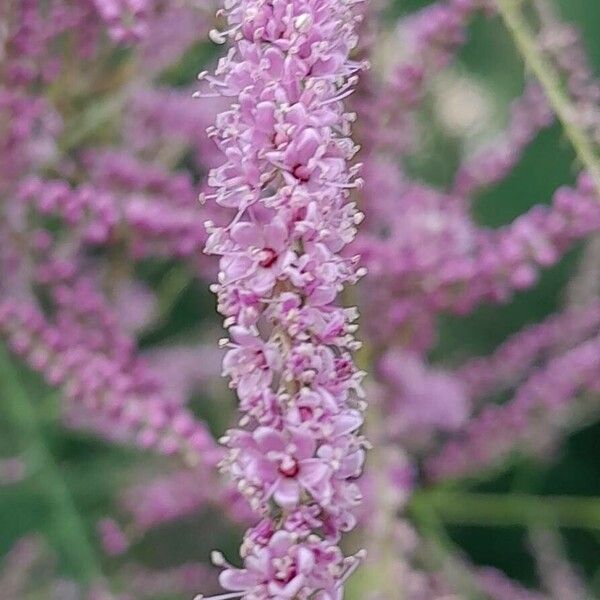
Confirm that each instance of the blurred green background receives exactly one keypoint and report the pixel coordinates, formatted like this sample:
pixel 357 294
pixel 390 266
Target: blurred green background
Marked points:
pixel 94 471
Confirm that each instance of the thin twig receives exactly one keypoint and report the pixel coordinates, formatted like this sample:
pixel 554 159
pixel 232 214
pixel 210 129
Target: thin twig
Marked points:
pixel 549 79
pixel 492 510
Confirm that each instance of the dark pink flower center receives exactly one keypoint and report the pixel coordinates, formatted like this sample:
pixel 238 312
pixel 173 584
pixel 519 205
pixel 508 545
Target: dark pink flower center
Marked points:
pixel 286 576
pixel 301 173
pixel 344 368
pixel 289 467
pixel 268 257
pixel 306 413
pixel 279 138
pixel 261 360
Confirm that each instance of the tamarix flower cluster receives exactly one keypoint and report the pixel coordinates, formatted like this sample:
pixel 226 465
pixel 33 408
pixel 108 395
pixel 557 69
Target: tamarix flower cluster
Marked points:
pixel 287 176
pixel 418 179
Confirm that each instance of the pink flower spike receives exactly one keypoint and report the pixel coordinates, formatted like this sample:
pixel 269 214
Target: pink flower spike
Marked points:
pixel 287 179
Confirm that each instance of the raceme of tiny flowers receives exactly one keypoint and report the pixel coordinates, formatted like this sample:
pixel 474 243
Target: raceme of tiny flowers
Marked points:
pixel 127 20
pixel 537 407
pixel 286 175
pixel 529 114
pixel 430 39
pixel 166 499
pixel 452 264
pixel 107 388
pixel 514 358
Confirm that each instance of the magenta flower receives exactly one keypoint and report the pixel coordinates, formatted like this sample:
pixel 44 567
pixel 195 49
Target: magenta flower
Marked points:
pixel 284 465
pixel 251 362
pixel 260 255
pixel 279 569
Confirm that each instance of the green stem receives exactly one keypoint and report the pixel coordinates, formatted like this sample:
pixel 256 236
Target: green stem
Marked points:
pixel 491 510
pixel 385 553
pixel 549 79
pixel 64 517
pixel 98 116
pixel 442 552
pixel 176 281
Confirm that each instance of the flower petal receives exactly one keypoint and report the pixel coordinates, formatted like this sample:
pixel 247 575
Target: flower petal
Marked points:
pixel 269 440
pixel 287 493
pixel 238 579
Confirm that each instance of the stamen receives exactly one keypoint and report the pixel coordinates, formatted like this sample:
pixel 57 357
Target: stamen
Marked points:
pixel 354 562
pixel 221 596
pixel 217 36
pixel 337 98
pixel 197 95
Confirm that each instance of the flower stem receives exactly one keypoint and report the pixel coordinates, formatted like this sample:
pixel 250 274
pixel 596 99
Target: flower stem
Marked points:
pixel 65 518
pixel 442 553
pixel 382 572
pixel 546 74
pixel 385 551
pixel 497 510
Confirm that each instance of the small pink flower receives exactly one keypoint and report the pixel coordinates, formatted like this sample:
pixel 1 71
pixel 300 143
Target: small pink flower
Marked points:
pixel 279 570
pixel 262 255
pixel 284 465
pixel 250 362
pixel 277 565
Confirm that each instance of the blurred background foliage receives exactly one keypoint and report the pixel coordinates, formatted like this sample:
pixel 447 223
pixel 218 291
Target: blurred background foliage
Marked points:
pixel 94 470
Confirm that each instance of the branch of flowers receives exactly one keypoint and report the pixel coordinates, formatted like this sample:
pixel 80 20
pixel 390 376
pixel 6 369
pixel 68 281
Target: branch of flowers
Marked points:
pixel 539 408
pixel 67 520
pixel 584 412
pixel 524 40
pixel 509 363
pixel 299 452
pixel 168 498
pixel 493 510
pixel 383 550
